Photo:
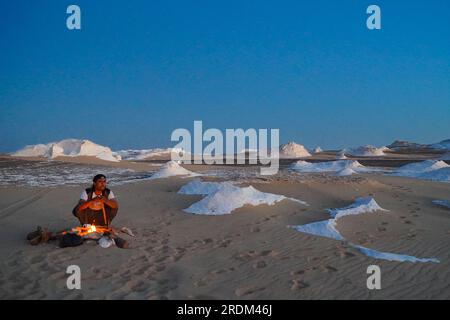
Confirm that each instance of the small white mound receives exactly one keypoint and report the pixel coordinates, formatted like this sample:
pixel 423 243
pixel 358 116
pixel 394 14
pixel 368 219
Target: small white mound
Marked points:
pixel 293 150
pixel 345 172
pixel 172 169
pixel 318 150
pixel 436 170
pixel 368 151
pixel 341 155
pixel 442 203
pixel 361 205
pixel 68 148
pixel 423 166
pixel 224 197
pixel 330 166
pixel 228 198
pixel 393 256
pixel 327 229
pixel 441 175
pixel 200 187
pixel 324 228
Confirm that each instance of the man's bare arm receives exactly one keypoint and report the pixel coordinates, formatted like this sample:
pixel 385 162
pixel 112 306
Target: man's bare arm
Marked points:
pixel 112 203
pixel 83 204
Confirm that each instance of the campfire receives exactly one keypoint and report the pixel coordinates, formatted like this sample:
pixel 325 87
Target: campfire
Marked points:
pixel 90 229
pixel 104 236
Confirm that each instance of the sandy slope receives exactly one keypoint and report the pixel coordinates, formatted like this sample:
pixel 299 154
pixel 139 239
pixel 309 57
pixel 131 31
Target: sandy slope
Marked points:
pixel 248 254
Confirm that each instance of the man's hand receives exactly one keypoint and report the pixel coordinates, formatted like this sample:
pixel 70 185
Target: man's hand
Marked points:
pixel 96 201
pixel 101 199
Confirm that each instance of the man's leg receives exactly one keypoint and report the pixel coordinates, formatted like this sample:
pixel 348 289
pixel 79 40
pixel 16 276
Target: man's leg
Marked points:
pixel 82 215
pixel 111 213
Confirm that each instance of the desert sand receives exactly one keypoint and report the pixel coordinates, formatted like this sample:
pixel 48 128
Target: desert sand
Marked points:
pixel 248 254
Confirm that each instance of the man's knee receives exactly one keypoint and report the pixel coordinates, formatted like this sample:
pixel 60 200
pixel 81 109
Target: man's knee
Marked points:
pixel 81 215
pixel 112 213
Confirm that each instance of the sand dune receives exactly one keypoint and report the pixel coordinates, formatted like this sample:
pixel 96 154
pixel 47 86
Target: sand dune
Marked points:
pixel 249 254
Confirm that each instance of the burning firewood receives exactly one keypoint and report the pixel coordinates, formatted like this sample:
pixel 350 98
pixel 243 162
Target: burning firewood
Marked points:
pixel 76 236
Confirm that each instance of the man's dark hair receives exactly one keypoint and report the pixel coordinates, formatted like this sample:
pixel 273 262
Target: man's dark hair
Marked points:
pixel 98 176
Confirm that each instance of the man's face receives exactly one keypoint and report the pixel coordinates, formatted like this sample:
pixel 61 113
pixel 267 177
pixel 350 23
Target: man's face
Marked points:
pixel 100 184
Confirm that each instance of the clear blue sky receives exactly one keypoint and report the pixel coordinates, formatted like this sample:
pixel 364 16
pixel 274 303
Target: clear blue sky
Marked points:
pixel 139 69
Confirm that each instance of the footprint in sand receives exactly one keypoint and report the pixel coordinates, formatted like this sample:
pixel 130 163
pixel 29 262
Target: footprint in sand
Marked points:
pixel 260 264
pixel 298 284
pixel 159 268
pixel 330 268
pixel 245 256
pixel 243 291
pixel 201 283
pixel 268 252
pixel 297 272
pixel 346 254
pixel 222 243
pixel 207 240
pixel 136 286
pixel 219 271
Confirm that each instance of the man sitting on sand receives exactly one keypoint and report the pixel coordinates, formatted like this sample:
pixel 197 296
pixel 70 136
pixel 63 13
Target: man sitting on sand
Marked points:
pixel 97 204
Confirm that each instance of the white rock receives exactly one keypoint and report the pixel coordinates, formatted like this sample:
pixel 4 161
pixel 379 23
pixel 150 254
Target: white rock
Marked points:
pixel 172 169
pixel 224 197
pixel 368 151
pixel 68 148
pixel 293 150
pixel 338 166
pixel 327 229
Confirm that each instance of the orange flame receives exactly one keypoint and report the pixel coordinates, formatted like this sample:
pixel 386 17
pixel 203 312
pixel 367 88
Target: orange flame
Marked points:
pixel 82 231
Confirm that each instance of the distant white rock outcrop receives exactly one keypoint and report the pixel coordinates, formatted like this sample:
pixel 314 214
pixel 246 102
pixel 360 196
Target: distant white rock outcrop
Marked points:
pixel 68 148
pixel 406 145
pixel 444 145
pixel 368 151
pixel 144 154
pixel 341 155
pixel 293 150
